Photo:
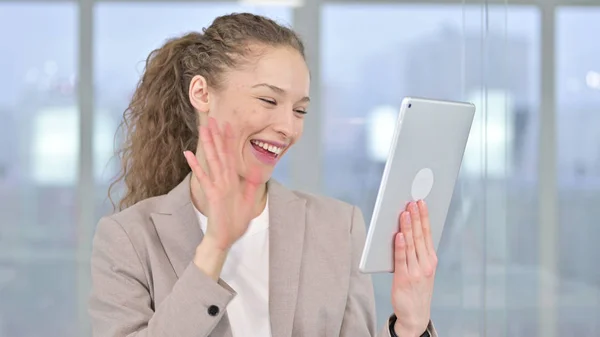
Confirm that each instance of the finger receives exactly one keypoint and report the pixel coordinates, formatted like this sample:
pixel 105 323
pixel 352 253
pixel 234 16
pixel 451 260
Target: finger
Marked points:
pixel 197 170
pixel 212 159
pixel 219 142
pixel 400 263
pixel 229 145
pixel 406 229
pixel 422 252
pixel 424 213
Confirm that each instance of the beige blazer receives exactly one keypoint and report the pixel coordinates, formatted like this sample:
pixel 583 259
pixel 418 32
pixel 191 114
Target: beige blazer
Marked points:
pixel 144 283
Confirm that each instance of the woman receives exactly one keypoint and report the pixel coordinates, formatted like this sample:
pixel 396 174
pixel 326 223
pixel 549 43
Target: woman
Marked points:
pixel 206 244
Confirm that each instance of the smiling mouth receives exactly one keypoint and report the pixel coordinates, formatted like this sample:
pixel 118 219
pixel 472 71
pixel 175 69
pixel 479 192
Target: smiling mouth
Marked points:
pixel 267 148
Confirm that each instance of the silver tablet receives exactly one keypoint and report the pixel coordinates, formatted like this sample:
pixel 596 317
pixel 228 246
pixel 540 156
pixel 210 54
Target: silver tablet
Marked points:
pixel 423 163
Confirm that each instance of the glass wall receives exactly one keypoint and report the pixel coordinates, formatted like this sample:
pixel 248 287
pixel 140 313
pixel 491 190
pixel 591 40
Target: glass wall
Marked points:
pixel 578 160
pixel 38 169
pixel 531 68
pixel 493 63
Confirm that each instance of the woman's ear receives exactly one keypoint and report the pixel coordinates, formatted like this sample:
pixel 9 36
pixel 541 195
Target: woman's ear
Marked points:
pixel 199 97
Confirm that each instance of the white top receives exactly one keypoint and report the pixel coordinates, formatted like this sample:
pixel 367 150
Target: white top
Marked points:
pixel 246 270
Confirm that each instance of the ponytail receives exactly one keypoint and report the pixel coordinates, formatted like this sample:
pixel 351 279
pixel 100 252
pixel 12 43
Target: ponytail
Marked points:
pixel 159 124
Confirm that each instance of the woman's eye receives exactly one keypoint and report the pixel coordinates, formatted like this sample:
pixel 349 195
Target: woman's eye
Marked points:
pixel 270 101
pixel 304 112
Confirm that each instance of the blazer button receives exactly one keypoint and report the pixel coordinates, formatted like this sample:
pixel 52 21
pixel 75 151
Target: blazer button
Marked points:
pixel 213 310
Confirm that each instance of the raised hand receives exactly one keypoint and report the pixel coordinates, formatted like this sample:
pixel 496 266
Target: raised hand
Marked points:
pixel 414 272
pixel 231 202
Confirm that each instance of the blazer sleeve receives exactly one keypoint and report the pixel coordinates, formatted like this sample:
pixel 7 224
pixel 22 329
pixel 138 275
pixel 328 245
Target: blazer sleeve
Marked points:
pixel 359 317
pixel 120 303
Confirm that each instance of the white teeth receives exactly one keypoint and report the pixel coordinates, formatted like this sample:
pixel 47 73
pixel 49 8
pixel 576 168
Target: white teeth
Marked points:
pixel 268 147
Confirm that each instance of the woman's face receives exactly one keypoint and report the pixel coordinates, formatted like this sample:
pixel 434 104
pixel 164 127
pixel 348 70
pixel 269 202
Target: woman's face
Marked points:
pixel 265 101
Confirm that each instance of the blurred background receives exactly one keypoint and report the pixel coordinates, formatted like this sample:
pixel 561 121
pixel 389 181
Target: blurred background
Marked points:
pixel 519 256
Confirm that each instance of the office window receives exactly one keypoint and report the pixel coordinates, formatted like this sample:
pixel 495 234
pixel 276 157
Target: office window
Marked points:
pixel 121 47
pixel 443 51
pixel 578 159
pixel 38 169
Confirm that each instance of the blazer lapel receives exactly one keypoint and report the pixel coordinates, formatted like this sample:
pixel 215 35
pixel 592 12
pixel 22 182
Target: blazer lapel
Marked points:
pixel 286 240
pixel 177 226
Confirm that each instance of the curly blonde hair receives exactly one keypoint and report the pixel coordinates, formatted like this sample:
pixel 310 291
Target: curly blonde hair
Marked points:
pixel 160 122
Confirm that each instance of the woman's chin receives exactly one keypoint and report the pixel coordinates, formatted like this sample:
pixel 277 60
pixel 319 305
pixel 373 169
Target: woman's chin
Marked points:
pixel 257 171
pixel 258 175
pixel 266 175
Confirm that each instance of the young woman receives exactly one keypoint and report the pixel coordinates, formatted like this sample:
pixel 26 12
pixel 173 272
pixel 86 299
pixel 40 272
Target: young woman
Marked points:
pixel 206 243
